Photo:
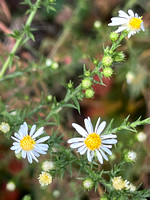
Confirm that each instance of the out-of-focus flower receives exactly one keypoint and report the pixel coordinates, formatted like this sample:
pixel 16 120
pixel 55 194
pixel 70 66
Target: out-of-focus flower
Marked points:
pixel 97 24
pixel 130 77
pixel 56 194
pixel 92 142
pixel 45 178
pixel 131 187
pixel 130 156
pixel 132 22
pixel 49 62
pixel 88 184
pixel 4 127
pixel 27 145
pixel 141 137
pixel 10 186
pixel 119 183
pixel 47 165
pixel 26 197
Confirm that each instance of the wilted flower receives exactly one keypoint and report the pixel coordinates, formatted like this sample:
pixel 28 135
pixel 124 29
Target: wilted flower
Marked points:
pixel 132 22
pixel 45 178
pixel 4 127
pixel 47 165
pixel 92 141
pixel 27 145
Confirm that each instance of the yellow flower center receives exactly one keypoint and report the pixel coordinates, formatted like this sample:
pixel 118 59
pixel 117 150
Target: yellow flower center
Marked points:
pixel 45 178
pixel 93 141
pixel 27 143
pixel 135 23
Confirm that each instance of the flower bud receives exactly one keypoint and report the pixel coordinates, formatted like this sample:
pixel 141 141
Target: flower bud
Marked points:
pixel 119 57
pixel 130 156
pixel 4 127
pixel 107 72
pixel 49 62
pixel 49 97
pixel 86 83
pixel 26 197
pixel 113 36
pixel 88 184
pixel 89 93
pixel 54 65
pixel 107 61
pixel 10 186
pixel 87 73
pixel 97 24
pixel 70 85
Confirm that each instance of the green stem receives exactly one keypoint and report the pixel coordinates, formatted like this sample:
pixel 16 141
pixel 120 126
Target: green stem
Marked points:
pixel 19 40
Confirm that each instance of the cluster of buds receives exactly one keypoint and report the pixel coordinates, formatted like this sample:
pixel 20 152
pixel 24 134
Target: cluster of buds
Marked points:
pixel 50 63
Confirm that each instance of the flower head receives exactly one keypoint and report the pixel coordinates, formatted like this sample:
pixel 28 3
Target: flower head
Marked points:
pixel 131 187
pixel 92 142
pixel 45 178
pixel 27 145
pixel 118 183
pixel 4 127
pixel 10 186
pixel 131 156
pixel 141 137
pixel 47 165
pixel 88 184
pixel 130 22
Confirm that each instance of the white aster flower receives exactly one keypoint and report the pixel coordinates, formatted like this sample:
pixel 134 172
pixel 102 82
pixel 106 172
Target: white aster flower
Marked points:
pixel 27 145
pixel 45 178
pixel 132 156
pixel 132 22
pixel 47 165
pixel 92 141
pixel 4 127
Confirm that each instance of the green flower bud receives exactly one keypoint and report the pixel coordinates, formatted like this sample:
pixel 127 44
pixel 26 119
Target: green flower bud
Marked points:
pixel 107 61
pixel 113 36
pixel 107 72
pixel 54 65
pixel 130 156
pixel 103 198
pixel 89 93
pixel 49 97
pixel 26 197
pixel 70 85
pixel 86 83
pixel 95 61
pixel 87 73
pixel 119 57
pixel 88 184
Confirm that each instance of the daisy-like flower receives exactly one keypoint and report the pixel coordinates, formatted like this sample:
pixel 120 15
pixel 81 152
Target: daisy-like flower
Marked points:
pixel 45 178
pixel 92 142
pixel 4 127
pixel 130 22
pixel 26 143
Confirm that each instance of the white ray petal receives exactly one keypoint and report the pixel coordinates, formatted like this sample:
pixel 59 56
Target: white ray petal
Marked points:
pixel 14 147
pixel 131 13
pixel 15 139
pixel 83 151
pixel 99 156
pixel 106 150
pixel 33 156
pixel 17 136
pixel 23 154
pixel 43 139
pixel 38 132
pixel 25 128
pixel 32 130
pixel 101 127
pixel 103 154
pixel 18 150
pixel 97 124
pixel 121 28
pixel 90 124
pixel 72 140
pixel 108 146
pixel 123 14
pixel 80 130
pixel 87 126
pixel 108 136
pixel 76 145
pixel 29 157
pixel 35 153
pixel 110 141
pixel 89 157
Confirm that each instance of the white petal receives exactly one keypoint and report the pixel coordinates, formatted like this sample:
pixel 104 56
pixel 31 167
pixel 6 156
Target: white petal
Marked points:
pixel 16 144
pixel 38 132
pixel 80 130
pixel 33 156
pixel 39 150
pixel 88 125
pixel 17 136
pixel 108 136
pixel 111 141
pixel 121 28
pixel 76 145
pixel 32 130
pixel 89 157
pixel 83 150
pixel 18 150
pixel 106 150
pixel 142 27
pixel 131 13
pixel 123 14
pixel 101 127
pixel 97 124
pixel 35 153
pixel 72 140
pixel 25 128
pixel 15 139
pixel 108 146
pixel 14 147
pixel 117 21
pixel 103 154
pixel 43 139
pixel 29 157
pixel 43 147
pixel 23 154
pixel 99 156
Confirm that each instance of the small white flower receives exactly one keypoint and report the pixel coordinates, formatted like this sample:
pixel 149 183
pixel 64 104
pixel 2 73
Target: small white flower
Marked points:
pixel 132 156
pixel 130 77
pixel 92 142
pixel 45 178
pixel 141 137
pixel 130 22
pixel 4 127
pixel 10 186
pixel 27 145
pixel 131 187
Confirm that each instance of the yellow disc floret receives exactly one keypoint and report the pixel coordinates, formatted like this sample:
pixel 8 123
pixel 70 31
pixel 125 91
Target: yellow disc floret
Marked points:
pixel 27 143
pixel 135 23
pixel 93 141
